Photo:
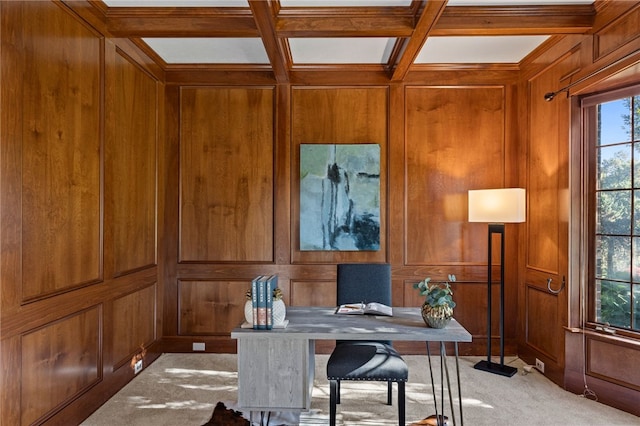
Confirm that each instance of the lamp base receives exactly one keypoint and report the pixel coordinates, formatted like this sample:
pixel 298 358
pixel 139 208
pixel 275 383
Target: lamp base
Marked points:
pixel 495 368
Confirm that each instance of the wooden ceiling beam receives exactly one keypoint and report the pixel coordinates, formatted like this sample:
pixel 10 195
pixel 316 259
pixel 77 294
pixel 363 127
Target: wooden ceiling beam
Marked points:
pixel 181 22
pixel 346 26
pixel 411 47
pixel 515 20
pixel 277 49
pixel 347 22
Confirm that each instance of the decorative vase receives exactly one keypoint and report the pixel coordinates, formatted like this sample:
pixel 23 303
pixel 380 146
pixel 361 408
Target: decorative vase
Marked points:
pixel 434 317
pixel 248 312
pixel 279 311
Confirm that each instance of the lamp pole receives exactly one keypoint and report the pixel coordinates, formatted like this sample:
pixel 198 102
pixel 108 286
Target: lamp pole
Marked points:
pixel 496 205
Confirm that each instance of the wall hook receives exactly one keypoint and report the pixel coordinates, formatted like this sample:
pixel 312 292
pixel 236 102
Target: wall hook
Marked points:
pixel 552 291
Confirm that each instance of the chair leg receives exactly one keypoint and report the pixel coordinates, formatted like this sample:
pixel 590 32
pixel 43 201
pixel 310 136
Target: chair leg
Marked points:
pixel 401 412
pixel 337 391
pixel 389 391
pixel 333 389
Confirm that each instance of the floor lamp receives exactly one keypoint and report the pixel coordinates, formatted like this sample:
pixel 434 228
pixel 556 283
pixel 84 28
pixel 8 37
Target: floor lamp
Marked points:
pixel 496 207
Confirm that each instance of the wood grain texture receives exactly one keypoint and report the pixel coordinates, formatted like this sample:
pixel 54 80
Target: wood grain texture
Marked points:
pixel 133 325
pixel 226 172
pixel 10 379
pixel 12 68
pixel 342 116
pixel 613 362
pixel 313 293
pixel 50 116
pixel 546 244
pixel 617 33
pixel 454 142
pixel 211 307
pixel 541 308
pixel 169 211
pixel 287 363
pixel 63 360
pixel 546 173
pixel 51 212
pixel 130 165
pixel 61 148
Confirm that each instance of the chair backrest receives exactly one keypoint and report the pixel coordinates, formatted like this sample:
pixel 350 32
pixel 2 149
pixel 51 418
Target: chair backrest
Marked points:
pixel 364 282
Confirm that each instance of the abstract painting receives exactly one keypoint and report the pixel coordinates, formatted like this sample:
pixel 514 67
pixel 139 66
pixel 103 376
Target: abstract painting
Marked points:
pixel 340 197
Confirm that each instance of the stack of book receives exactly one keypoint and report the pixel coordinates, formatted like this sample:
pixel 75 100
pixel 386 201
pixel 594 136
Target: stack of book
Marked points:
pixel 262 288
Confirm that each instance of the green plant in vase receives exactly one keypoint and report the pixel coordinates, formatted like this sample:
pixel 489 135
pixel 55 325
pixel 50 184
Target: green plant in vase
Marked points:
pixel 437 309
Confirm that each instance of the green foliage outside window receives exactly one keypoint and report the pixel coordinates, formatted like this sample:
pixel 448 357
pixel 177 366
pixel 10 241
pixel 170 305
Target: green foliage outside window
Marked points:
pixel 617 200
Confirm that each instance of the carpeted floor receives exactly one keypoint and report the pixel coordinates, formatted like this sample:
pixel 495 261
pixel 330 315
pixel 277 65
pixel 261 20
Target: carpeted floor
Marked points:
pixel 183 389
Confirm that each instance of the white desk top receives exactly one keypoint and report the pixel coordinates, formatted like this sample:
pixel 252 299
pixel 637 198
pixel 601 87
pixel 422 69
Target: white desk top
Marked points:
pixel 319 323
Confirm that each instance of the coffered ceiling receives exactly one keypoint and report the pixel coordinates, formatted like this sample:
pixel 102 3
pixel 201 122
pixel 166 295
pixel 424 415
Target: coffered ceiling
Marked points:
pixel 390 35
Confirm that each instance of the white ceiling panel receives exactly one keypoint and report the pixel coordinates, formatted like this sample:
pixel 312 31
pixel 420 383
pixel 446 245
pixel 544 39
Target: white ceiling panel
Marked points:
pixel 495 49
pixel 345 50
pixel 209 50
pixel 304 50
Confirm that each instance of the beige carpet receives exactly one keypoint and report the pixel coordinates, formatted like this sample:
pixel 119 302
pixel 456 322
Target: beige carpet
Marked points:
pixel 183 389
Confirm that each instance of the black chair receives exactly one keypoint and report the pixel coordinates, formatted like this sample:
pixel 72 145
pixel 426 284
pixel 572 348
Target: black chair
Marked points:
pixel 365 360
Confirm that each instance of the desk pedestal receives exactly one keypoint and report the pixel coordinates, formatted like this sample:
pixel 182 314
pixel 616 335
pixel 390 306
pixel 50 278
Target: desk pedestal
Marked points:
pixel 275 374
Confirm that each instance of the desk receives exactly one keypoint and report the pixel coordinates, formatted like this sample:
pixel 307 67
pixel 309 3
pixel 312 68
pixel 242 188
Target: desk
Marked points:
pixel 276 367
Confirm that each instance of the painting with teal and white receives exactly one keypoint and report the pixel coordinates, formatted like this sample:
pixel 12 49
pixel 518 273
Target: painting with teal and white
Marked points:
pixel 340 197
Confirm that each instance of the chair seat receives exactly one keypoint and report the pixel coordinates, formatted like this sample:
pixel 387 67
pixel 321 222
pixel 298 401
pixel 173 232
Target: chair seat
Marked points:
pixel 355 360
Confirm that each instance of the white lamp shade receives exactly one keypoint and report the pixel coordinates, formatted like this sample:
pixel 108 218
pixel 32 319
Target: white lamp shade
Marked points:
pixel 504 205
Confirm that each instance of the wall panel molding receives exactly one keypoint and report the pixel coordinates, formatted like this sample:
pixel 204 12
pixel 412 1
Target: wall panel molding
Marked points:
pixel 338 115
pixel 130 165
pixel 226 174
pixel 62 360
pixel 443 125
pixel 61 151
pixel 133 324
pixel 210 307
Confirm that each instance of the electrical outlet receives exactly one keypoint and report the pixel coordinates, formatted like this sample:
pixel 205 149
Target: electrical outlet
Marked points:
pixel 540 365
pixel 137 367
pixel 198 346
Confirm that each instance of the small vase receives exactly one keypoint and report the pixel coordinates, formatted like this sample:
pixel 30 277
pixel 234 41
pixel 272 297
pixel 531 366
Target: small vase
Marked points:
pixel 248 311
pixel 279 312
pixel 433 317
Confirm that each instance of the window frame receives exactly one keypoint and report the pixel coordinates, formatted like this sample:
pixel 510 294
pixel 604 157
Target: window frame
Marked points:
pixel 588 114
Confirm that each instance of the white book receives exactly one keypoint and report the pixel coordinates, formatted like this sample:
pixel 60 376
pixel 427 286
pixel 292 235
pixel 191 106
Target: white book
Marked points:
pixel 372 308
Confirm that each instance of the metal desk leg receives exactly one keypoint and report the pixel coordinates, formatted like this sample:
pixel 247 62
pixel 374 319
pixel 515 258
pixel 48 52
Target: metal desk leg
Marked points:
pixel 442 420
pixel 444 368
pixel 433 384
pixel 443 355
pixel 459 386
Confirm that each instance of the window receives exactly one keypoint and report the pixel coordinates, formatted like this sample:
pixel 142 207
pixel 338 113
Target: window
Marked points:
pixel 612 123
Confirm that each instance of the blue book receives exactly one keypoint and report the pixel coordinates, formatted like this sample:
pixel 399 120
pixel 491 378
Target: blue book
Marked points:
pixel 272 283
pixel 262 303
pixel 254 300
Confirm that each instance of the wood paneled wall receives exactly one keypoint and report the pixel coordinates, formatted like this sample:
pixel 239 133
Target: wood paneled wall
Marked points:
pixel 444 124
pixel 551 314
pixel 340 115
pixel 78 268
pixel 547 220
pixel 134 214
pixel 226 174
pixel 234 145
